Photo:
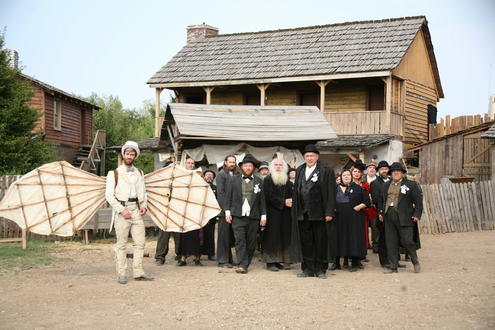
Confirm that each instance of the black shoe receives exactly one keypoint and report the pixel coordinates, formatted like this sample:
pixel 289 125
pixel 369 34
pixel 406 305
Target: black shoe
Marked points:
pixel 144 278
pixel 399 265
pixel 181 263
pixel 198 263
pixel 176 258
pixel 159 262
pixel 366 260
pixel 305 274
pixel 354 268
pixel 272 267
pixel 279 265
pixel 386 266
pixel 334 266
pixel 226 265
pixel 321 275
pixel 417 267
pixel 212 258
pixel 390 271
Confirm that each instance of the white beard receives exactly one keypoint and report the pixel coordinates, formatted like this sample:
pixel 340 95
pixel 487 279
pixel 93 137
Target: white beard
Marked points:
pixel 279 178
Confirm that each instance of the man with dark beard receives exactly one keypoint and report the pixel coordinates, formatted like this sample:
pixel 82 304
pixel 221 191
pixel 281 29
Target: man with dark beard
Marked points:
pixel 314 206
pixel 225 240
pixel 277 235
pixel 245 209
pixel 208 247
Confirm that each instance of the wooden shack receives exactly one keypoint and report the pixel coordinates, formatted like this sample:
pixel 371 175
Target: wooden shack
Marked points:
pixel 460 154
pixel 66 119
pixel 489 135
pixel 367 78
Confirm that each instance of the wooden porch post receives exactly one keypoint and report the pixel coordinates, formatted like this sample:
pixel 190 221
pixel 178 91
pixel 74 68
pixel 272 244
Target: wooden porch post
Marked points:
pixel 322 84
pixel 388 103
pixel 157 112
pixel 208 91
pixel 262 88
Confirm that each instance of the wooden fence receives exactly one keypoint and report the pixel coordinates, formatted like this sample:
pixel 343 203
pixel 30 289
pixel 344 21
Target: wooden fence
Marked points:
pixel 450 125
pixel 458 207
pixel 8 228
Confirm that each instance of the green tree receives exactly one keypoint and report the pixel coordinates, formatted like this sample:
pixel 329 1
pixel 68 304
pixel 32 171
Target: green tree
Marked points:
pixel 21 150
pixel 122 125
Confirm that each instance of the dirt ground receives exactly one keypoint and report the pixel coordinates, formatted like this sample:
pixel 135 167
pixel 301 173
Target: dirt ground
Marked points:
pixel 456 290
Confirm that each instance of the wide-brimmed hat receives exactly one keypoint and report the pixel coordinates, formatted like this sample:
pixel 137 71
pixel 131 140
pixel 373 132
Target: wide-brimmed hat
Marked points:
pixel 382 163
pixel 371 164
pixel 358 163
pixel 310 148
pixel 396 167
pixel 248 158
pixel 263 165
pixel 130 144
pixel 211 171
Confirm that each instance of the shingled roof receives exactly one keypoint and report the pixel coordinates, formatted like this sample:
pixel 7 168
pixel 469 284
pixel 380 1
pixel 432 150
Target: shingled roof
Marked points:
pixel 490 133
pixel 354 47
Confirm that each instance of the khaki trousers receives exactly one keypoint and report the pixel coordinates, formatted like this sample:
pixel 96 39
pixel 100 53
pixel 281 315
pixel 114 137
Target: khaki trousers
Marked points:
pixel 122 227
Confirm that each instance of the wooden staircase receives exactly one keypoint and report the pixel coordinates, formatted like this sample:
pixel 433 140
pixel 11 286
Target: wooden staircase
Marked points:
pixel 91 158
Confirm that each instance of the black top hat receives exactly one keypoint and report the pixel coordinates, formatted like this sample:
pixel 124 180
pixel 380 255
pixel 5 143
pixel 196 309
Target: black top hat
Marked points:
pixel 359 165
pixel 382 163
pixel 263 165
pixel 248 158
pixel 291 169
pixel 211 171
pixel 310 148
pixel 396 167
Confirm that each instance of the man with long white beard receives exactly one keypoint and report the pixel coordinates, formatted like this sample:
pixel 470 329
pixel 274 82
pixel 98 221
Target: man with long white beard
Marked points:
pixel 277 235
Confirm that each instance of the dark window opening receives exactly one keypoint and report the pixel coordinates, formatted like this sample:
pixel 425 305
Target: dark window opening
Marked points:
pixel 376 98
pixel 252 100
pixel 195 99
pixel 309 99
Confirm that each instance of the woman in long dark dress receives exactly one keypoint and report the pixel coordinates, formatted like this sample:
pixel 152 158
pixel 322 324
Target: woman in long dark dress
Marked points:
pixel 348 223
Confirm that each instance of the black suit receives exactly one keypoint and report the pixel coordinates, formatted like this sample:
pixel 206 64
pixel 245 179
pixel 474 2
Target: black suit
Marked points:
pixel 376 188
pixel 225 239
pixel 400 229
pixel 245 226
pixel 313 200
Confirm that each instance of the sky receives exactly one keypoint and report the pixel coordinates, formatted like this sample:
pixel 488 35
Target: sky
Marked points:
pixel 114 47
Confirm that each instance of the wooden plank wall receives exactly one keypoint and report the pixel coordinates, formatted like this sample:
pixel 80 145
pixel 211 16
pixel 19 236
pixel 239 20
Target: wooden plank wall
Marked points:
pixel 477 157
pixel 8 228
pixel 36 102
pixel 364 122
pixel 458 207
pixel 416 103
pixel 450 125
pixel 441 158
pixel 71 122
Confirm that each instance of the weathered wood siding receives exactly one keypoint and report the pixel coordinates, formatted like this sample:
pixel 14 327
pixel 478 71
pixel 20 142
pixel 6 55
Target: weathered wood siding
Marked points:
pixel 227 98
pixel 441 158
pixel 345 98
pixel 477 157
pixel 72 117
pixel 416 103
pixel 364 122
pixel 37 102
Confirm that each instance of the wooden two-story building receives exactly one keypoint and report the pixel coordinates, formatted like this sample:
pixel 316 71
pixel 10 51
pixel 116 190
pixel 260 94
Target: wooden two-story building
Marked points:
pixel 65 119
pixel 375 81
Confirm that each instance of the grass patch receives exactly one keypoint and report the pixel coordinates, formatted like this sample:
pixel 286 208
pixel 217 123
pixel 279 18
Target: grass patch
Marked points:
pixel 38 253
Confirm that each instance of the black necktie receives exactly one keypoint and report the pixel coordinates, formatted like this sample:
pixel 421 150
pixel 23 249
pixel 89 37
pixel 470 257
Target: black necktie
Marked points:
pixel 247 177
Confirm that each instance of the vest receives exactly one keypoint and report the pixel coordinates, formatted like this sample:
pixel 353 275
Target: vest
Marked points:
pixel 247 190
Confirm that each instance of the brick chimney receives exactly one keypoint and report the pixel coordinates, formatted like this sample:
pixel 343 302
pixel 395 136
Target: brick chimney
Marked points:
pixel 13 58
pixel 195 32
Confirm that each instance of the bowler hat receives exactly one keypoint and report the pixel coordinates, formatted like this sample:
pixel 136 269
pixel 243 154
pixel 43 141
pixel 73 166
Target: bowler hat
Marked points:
pixel 211 171
pixel 310 148
pixel 248 158
pixel 382 163
pixel 291 169
pixel 358 163
pixel 396 167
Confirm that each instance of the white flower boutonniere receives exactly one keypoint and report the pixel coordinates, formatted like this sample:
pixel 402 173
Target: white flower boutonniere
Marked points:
pixel 350 191
pixel 257 188
pixel 404 189
pixel 314 178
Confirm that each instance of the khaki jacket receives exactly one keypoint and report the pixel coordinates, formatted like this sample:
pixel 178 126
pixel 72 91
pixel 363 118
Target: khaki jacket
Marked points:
pixel 121 192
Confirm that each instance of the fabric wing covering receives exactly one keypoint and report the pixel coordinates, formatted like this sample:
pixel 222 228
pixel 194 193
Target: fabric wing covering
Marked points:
pixel 179 200
pixel 59 199
pixel 54 199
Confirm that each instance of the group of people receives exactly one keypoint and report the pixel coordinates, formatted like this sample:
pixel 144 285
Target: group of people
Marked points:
pixel 306 215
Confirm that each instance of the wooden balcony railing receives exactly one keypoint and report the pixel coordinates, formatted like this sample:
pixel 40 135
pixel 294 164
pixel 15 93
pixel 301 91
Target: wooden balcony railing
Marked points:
pixel 365 122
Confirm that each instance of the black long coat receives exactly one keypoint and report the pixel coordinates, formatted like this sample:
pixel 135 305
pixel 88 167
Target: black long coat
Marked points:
pixel 347 230
pixel 410 201
pixel 322 193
